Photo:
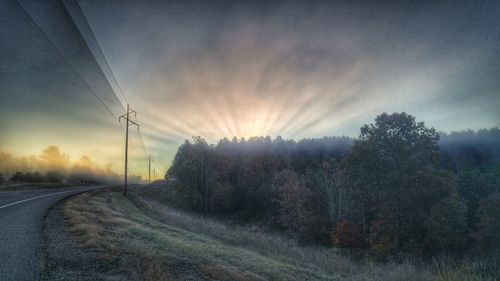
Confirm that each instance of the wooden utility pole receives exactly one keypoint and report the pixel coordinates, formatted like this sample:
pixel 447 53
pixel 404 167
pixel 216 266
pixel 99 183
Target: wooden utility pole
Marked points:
pixel 150 158
pixel 126 116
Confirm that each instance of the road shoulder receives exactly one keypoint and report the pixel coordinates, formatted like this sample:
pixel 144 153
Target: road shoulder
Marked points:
pixel 61 258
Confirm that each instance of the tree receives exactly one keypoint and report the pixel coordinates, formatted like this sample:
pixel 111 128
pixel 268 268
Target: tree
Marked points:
pixel 54 176
pixel 7 162
pixel 82 171
pixel 2 180
pixel 191 170
pixel 17 177
pixel 394 178
pixel 476 184
pixel 35 177
pixel 392 193
pixel 323 179
pixel 295 211
pixel 488 229
pixel 347 235
pixel 447 225
pixel 53 160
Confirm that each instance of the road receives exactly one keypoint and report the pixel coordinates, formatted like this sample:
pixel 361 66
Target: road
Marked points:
pixel 21 216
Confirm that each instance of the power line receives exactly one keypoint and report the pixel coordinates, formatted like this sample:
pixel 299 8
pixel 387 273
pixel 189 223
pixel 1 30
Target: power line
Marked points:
pixel 100 51
pixel 71 66
pixel 65 59
pixel 81 77
pixel 142 141
pixel 141 138
pixel 86 22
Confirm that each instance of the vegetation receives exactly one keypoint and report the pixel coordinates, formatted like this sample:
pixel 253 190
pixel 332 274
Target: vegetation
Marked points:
pixel 139 238
pixel 54 166
pixel 395 191
pixel 114 225
pixel 392 205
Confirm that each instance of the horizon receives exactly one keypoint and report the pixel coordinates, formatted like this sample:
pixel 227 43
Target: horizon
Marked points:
pixel 107 169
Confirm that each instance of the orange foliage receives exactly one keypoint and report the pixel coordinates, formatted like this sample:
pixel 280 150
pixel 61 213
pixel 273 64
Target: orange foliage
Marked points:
pixel 347 235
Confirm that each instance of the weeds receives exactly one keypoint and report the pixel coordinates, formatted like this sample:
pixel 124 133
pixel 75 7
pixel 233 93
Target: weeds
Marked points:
pixel 325 260
pixel 151 241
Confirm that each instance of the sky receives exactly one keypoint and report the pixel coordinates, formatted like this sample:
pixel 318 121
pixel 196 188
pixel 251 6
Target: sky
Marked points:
pixel 218 69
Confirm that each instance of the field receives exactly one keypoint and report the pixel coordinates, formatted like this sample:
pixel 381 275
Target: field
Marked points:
pixel 138 238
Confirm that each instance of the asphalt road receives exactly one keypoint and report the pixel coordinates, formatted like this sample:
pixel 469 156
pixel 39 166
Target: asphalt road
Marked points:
pixel 21 215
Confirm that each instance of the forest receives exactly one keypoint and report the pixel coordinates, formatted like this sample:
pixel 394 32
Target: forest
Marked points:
pixel 54 166
pixel 399 189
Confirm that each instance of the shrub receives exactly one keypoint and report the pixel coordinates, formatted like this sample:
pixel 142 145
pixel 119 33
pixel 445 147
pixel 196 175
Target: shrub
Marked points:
pixel 348 235
pixel 488 230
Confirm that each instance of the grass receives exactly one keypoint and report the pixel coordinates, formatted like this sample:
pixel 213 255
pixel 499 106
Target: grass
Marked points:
pixel 114 225
pixel 151 241
pixel 322 259
pixel 447 269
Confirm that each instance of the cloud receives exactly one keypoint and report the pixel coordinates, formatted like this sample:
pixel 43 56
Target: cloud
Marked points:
pixel 296 69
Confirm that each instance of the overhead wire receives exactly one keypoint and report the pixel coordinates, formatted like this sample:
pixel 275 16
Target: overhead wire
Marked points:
pixel 73 68
pixel 86 22
pixel 66 60
pixel 110 69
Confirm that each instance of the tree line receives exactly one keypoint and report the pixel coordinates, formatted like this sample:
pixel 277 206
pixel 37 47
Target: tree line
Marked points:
pixel 54 166
pixel 395 190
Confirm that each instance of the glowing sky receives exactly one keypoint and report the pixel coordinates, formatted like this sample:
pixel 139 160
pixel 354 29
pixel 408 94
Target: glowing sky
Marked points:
pixel 235 68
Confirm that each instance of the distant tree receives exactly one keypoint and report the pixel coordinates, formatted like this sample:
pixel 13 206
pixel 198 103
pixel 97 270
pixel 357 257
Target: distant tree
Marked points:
pixel 54 177
pixel 7 162
pixel 323 180
pixel 382 237
pixel 295 210
pixel 475 184
pixel 236 175
pixel 82 171
pixel 53 160
pixel 348 235
pixel 2 180
pixel 17 177
pixel 472 149
pixel 191 171
pixel 393 191
pixel 221 198
pixel 447 225
pixel 394 178
pixel 488 229
pixel 35 177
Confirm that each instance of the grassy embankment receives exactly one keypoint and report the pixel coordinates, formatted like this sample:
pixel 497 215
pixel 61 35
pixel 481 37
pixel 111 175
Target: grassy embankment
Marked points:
pixel 161 243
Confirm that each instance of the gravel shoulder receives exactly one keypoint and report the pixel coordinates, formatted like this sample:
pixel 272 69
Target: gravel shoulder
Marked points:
pixel 64 257
pixel 104 236
pixel 61 258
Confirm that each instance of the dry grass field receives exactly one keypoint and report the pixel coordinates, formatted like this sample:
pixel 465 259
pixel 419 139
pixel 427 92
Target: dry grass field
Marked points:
pixel 148 240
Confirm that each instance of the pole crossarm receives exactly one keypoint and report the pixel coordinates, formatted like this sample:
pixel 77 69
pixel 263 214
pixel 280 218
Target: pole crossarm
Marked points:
pixel 133 123
pixel 124 116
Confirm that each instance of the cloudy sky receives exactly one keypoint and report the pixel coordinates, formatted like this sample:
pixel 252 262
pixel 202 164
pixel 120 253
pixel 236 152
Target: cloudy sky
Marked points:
pixel 238 68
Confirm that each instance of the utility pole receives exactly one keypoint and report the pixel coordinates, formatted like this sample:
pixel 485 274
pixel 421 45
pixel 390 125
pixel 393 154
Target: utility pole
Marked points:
pixel 126 116
pixel 150 158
